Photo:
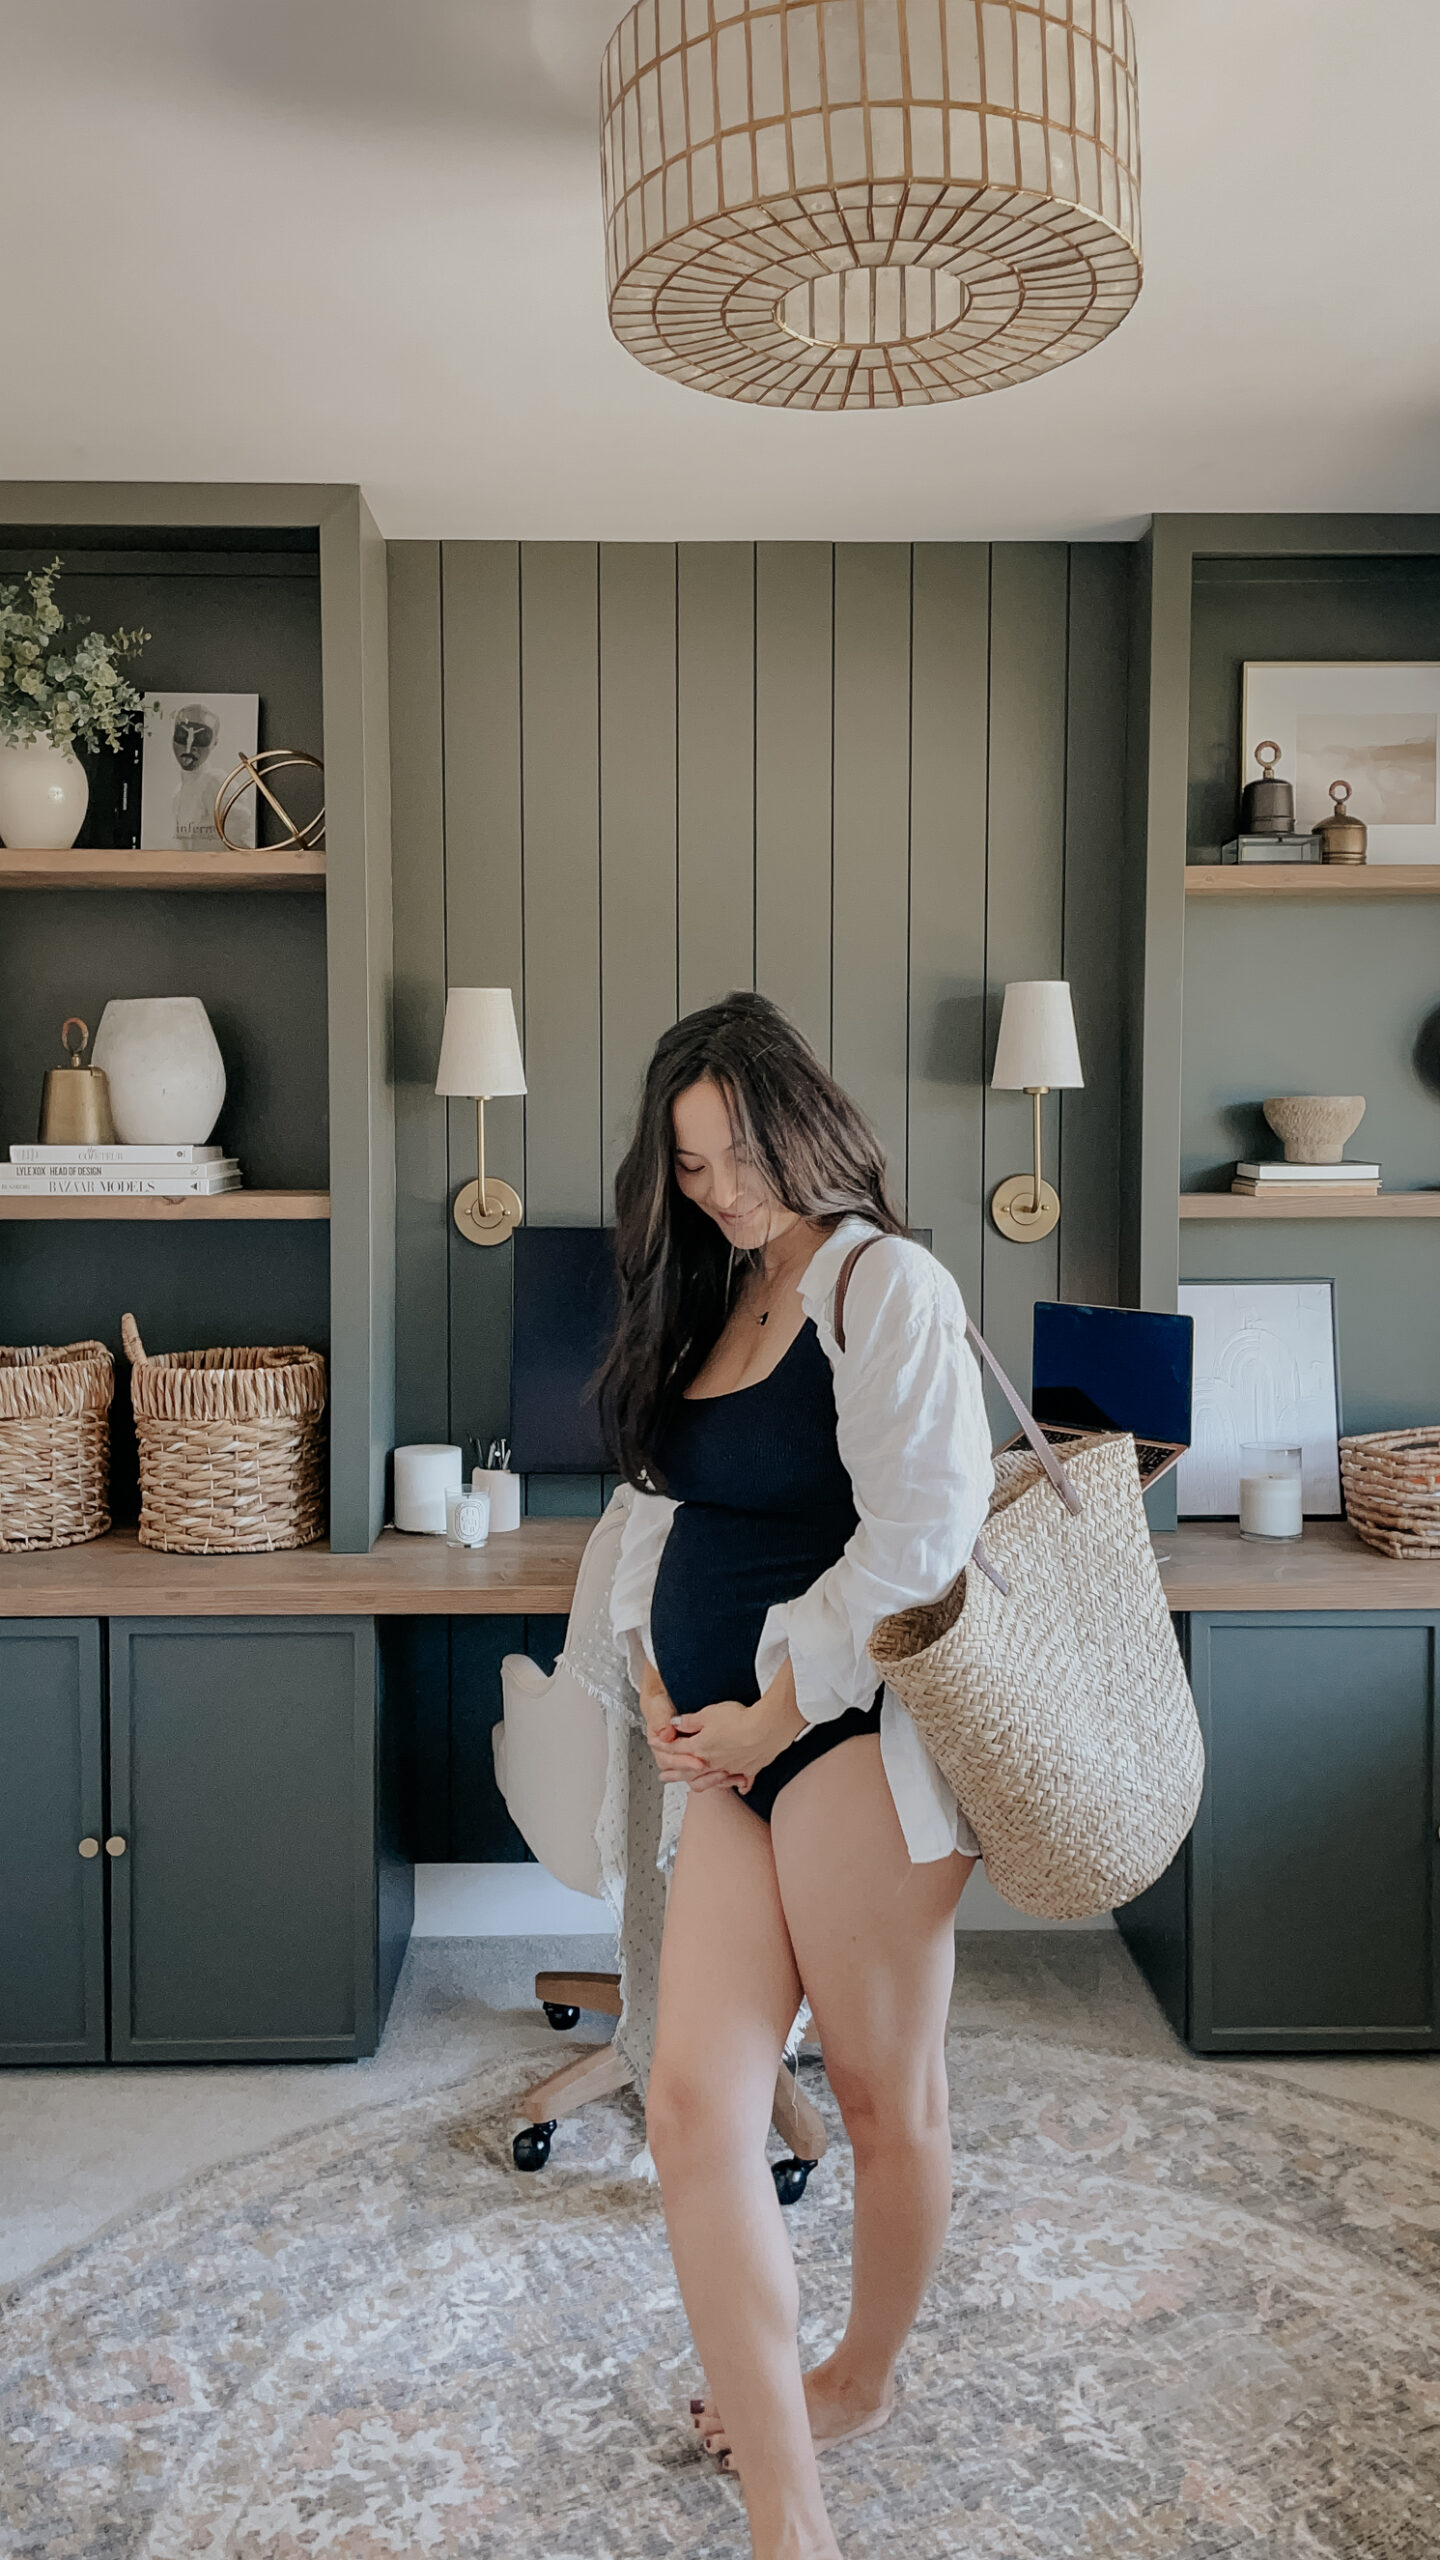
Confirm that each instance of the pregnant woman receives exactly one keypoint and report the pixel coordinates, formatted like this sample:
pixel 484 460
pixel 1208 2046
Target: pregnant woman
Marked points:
pixel 791 1493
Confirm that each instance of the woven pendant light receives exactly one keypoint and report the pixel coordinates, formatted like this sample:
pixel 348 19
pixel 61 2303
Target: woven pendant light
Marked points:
pixel 842 204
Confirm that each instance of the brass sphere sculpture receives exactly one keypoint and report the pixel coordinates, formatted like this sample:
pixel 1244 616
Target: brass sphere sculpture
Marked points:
pixel 251 772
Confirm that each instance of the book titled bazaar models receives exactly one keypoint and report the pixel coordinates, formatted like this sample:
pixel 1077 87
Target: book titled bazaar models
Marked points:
pixel 160 1182
pixel 192 744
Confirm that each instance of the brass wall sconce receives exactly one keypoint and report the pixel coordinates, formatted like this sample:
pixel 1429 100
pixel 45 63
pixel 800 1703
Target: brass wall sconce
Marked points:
pixel 480 1058
pixel 1035 1054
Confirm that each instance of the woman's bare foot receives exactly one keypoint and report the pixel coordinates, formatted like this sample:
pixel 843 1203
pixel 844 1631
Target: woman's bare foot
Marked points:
pixel 840 2408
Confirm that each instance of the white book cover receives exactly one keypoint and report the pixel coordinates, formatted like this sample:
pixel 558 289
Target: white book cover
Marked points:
pixel 1308 1172
pixel 192 743
pixel 68 1159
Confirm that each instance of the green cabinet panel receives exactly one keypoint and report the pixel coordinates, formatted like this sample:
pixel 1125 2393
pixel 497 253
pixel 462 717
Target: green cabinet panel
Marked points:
pixel 255 1912
pixel 1301 1914
pixel 52 1900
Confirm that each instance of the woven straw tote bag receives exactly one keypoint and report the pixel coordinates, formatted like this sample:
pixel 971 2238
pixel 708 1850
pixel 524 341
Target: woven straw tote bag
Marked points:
pixel 1047 1682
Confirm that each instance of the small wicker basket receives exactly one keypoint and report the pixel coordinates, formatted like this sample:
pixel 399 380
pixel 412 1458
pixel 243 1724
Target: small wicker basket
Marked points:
pixel 1392 1489
pixel 54 1444
pixel 231 1447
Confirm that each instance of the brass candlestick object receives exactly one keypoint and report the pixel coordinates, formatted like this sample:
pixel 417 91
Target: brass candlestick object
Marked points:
pixel 75 1102
pixel 1342 838
pixel 1267 807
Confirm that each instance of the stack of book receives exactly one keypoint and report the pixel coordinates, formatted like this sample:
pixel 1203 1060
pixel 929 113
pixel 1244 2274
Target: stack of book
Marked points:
pixel 119 1173
pixel 1306 1181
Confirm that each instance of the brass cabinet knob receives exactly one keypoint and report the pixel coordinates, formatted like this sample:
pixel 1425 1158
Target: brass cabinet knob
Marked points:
pixel 89 1848
pixel 114 1846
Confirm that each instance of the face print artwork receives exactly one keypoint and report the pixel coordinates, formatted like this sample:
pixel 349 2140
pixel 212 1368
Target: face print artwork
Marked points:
pixel 192 742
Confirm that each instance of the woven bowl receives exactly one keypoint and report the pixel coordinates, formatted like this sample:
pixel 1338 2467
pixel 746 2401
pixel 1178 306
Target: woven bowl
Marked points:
pixel 1392 1489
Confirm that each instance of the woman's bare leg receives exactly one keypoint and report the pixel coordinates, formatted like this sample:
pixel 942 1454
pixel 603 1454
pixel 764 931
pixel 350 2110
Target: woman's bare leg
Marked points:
pixel 728 1992
pixel 874 1941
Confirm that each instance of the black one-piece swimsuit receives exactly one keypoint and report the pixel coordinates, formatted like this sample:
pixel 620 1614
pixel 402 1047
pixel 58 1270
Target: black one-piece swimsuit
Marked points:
pixel 765 1506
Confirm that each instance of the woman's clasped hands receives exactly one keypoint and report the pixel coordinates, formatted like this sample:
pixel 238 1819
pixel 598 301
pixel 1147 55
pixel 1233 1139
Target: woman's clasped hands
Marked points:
pixel 724 1745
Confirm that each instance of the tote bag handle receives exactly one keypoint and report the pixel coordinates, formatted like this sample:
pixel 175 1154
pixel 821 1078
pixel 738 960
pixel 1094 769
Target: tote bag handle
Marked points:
pixel 1022 1413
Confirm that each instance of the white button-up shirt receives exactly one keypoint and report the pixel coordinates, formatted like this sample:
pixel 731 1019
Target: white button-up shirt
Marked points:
pixel 914 1439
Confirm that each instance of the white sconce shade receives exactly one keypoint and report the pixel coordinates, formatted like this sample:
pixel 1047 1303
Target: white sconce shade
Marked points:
pixel 1037 1048
pixel 480 1046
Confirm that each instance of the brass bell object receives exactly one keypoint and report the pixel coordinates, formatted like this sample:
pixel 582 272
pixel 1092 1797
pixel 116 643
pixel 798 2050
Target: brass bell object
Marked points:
pixel 1267 807
pixel 1342 838
pixel 75 1103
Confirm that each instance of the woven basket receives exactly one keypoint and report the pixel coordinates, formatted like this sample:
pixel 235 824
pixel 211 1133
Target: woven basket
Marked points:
pixel 1392 1489
pixel 231 1447
pixel 54 1445
pixel 1058 1708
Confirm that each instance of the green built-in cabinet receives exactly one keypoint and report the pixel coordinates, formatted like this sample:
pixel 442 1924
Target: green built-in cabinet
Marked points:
pixel 1236 998
pixel 247 1896
pixel 1302 1915
pixel 281 592
pixel 52 1830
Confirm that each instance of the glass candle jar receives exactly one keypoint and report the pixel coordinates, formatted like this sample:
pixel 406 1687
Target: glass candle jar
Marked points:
pixel 467 1516
pixel 1271 1492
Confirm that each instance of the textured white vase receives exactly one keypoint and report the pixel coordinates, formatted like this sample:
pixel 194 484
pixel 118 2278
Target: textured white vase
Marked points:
pixel 44 794
pixel 167 1077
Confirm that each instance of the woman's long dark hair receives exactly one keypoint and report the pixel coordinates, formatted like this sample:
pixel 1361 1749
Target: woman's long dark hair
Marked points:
pixel 678 1278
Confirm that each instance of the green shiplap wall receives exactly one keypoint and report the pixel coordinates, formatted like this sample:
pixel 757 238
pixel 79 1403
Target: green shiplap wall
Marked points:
pixel 874 780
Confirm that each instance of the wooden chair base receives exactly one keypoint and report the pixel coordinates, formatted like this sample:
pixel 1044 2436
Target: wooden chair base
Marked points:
pixel 597 2071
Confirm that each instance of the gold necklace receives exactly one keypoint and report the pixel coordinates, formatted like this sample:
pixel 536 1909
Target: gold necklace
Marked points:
pixel 766 1313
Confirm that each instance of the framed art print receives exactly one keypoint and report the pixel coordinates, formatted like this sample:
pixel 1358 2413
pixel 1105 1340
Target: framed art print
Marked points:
pixel 1375 725
pixel 1265 1369
pixel 191 742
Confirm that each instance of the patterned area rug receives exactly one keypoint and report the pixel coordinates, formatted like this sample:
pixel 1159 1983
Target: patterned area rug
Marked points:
pixel 1180 2312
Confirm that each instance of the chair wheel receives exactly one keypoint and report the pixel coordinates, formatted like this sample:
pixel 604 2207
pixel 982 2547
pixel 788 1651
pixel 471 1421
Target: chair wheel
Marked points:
pixel 560 2015
pixel 791 2178
pixel 531 2146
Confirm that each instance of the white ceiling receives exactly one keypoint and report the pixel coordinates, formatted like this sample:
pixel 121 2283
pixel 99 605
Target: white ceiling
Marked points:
pixel 360 240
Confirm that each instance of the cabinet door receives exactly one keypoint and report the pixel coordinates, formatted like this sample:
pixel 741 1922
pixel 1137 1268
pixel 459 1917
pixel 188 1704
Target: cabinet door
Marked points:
pixel 1314 1901
pixel 52 1898
pixel 242 1779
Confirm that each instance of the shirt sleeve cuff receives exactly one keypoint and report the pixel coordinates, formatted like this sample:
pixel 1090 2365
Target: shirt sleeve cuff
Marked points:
pixel 636 1641
pixel 817 1701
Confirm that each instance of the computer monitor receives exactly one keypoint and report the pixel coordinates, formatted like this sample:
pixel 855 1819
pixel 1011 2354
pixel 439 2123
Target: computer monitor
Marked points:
pixel 563 1319
pixel 1115 1369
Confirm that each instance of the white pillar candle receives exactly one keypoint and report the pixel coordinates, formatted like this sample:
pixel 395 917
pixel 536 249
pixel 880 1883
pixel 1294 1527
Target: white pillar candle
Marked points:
pixel 1270 1506
pixel 424 1470
pixel 504 1491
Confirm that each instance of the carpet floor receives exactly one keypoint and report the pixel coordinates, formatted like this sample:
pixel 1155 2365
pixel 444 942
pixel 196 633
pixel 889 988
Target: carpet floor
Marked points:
pixel 1184 2309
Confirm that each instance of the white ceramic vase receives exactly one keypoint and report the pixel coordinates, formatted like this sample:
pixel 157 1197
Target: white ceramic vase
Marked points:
pixel 167 1077
pixel 44 794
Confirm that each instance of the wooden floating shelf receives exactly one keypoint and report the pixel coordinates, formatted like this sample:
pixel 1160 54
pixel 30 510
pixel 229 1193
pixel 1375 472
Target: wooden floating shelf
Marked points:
pixel 1239 1205
pixel 87 869
pixel 226 1205
pixel 1312 880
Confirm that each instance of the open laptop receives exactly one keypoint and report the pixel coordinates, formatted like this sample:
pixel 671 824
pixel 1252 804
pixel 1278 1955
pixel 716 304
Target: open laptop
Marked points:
pixel 1114 1369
